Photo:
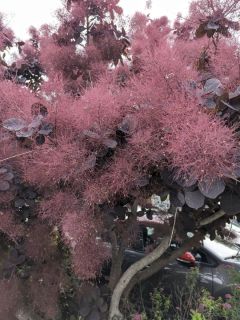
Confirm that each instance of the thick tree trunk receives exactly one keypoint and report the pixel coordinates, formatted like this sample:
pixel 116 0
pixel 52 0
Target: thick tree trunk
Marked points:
pixel 162 262
pixel 117 260
pixel 114 312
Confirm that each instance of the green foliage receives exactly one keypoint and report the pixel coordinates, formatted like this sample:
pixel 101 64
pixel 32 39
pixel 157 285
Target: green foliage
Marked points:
pixel 197 316
pixel 211 308
pixel 161 305
pixel 194 304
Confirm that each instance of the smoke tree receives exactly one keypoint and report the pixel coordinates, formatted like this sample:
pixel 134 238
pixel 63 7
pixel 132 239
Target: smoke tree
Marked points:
pixel 94 122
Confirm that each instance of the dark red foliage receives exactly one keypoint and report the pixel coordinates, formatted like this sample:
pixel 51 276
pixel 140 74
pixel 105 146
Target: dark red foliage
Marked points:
pixel 45 287
pixel 111 126
pixel 40 244
pixel 212 144
pixel 9 226
pixel 11 298
pixel 81 231
pixel 54 208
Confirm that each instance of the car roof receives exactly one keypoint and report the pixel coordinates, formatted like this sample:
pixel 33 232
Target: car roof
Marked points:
pixel 220 248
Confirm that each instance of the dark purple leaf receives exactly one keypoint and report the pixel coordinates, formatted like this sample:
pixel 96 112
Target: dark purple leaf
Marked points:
pixel 46 129
pixel 143 181
pixel 91 134
pixel 237 172
pixel 211 189
pixel 140 213
pixel 7 176
pixel 3 170
pixel 4 185
pixel 213 85
pixel 94 315
pixel 40 139
pixel 230 203
pixel 20 43
pixel 25 133
pixel 19 203
pixel 149 215
pixel 120 212
pixel 110 143
pixel 212 26
pixel 81 28
pixel 195 199
pixel 14 124
pixel 181 198
pixel 36 122
pixel 80 39
pixel 186 182
pixel 209 103
pixel 127 125
pixel 177 198
pixel 16 258
pixel 84 310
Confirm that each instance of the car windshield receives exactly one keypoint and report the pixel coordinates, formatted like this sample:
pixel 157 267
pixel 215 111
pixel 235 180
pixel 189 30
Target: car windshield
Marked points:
pixel 221 248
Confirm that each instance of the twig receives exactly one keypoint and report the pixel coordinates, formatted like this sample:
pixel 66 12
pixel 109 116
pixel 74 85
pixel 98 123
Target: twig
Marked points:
pixel 212 218
pixel 16 155
pixel 174 223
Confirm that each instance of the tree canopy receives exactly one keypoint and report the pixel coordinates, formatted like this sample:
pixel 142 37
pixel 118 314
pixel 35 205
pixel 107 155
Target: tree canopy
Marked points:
pixel 97 117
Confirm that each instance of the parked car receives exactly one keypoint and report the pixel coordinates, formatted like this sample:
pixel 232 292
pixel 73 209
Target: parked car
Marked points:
pixel 234 232
pixel 214 260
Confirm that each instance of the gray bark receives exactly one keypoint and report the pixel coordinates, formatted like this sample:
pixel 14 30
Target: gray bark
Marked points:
pixel 114 312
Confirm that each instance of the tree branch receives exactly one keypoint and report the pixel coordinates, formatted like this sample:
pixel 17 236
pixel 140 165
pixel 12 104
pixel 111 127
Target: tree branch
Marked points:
pixel 114 312
pixel 162 262
pixel 16 155
pixel 212 218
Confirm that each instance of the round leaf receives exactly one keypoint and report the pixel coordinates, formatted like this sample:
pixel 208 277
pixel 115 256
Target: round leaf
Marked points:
pixel 19 203
pixel 230 203
pixel 195 199
pixel 25 133
pixel 94 315
pixel 3 170
pixel 212 26
pixel 37 121
pixel 213 85
pixel 186 182
pixel 177 199
pixel 110 143
pixel 14 124
pixel 46 129
pixel 91 134
pixel 7 176
pixel 211 190
pixel 143 181
pixel 4 185
pixel 84 310
pixel 209 103
pixel 40 139
pixel 120 212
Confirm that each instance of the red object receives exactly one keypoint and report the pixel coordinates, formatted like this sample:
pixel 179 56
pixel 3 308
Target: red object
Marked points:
pixel 188 257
